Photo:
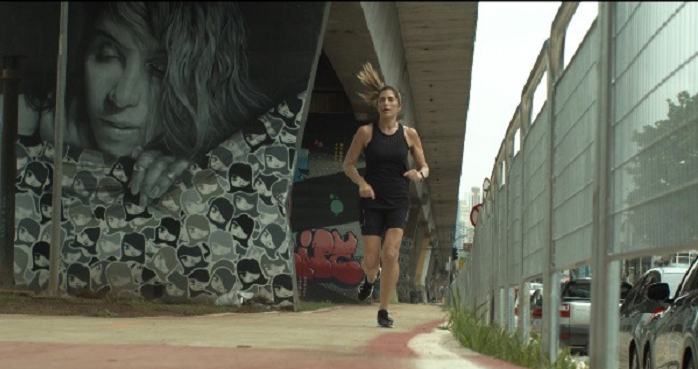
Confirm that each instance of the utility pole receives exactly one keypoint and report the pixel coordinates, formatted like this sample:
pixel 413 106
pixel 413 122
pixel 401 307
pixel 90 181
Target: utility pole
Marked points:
pixel 8 167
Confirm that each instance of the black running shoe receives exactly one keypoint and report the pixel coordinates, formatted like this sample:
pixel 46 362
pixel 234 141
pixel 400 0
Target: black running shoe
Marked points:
pixel 366 288
pixel 384 320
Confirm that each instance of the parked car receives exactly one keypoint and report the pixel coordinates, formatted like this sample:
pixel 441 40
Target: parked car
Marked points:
pixel 672 333
pixel 575 311
pixel 637 311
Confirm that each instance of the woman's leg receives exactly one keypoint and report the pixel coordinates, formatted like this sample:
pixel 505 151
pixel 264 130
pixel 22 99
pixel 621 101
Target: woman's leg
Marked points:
pixel 390 269
pixel 371 260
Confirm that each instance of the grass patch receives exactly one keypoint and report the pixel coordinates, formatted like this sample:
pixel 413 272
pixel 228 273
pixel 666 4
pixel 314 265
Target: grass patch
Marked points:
pixel 111 306
pixel 469 327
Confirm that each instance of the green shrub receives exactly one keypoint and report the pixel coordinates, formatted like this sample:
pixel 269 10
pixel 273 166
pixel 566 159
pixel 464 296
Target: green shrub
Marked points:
pixel 469 327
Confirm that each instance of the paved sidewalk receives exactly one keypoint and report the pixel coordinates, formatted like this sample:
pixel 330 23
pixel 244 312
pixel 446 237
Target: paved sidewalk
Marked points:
pixel 342 337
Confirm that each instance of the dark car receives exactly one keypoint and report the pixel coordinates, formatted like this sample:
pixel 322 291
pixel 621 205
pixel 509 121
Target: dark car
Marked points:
pixel 672 334
pixel 638 310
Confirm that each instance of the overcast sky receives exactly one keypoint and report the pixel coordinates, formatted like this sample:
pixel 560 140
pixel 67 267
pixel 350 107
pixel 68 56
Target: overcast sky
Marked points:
pixel 509 37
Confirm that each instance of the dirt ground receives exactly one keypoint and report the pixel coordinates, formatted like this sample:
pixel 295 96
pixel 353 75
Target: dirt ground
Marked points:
pixel 12 302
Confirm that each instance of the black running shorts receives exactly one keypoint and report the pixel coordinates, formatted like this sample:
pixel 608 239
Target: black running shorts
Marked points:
pixel 375 221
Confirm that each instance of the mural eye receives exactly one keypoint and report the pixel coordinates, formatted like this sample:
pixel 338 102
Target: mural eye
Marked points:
pixel 157 68
pixel 107 52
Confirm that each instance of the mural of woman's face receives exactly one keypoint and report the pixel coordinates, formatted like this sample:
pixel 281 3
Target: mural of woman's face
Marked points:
pixel 237 181
pixel 75 282
pixel 283 292
pixel 266 218
pixel 71 257
pixel 104 195
pixel 261 187
pixel 287 137
pixel 273 162
pixel 216 164
pixel 49 151
pixel 267 240
pixel 248 277
pixel 24 235
pixel 108 246
pixel 173 290
pixel 131 251
pixel 237 231
pixel 40 260
pixel 196 233
pixel 115 223
pixel 119 280
pixel 216 215
pixel 273 269
pixel 218 249
pixel 96 273
pixel 80 219
pixel 196 285
pixel 160 263
pixel 120 76
pixel 119 172
pixel 165 235
pixel 137 272
pixel 84 239
pixel 169 203
pixel 217 284
pixel 207 188
pixel 134 209
pixel 79 187
pixel 284 110
pixel 22 162
pixel 189 260
pixel 195 207
pixel 46 210
pixel 31 179
pixel 67 180
pixel 254 139
pixel 242 204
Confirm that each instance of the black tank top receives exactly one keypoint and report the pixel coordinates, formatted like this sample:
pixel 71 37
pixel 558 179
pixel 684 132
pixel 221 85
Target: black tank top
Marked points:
pixel 386 164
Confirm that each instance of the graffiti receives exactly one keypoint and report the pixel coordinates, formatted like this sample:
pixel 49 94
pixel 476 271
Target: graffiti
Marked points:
pixel 324 254
pixel 219 119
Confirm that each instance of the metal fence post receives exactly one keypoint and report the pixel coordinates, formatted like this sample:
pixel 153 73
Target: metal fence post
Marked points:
pixel 605 282
pixel 8 167
pixel 551 278
pixel 60 116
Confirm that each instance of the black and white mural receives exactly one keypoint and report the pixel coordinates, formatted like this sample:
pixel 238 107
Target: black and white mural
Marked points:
pixel 181 123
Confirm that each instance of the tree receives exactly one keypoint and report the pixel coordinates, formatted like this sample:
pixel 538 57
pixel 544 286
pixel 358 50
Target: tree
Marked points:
pixel 664 199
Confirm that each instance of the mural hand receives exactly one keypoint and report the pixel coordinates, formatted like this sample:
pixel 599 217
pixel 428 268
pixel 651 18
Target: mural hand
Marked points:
pixel 155 173
pixel 164 180
pixel 143 162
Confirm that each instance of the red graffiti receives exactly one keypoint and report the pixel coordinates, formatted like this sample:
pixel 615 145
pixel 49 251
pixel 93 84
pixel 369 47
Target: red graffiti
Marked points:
pixel 326 254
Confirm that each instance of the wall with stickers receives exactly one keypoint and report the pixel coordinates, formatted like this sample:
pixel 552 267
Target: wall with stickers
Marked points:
pixel 180 138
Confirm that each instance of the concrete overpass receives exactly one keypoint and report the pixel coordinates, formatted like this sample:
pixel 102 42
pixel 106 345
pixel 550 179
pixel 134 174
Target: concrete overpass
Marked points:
pixel 425 49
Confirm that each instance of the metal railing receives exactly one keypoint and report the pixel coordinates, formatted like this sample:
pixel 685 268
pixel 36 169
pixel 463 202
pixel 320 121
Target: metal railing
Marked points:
pixel 607 170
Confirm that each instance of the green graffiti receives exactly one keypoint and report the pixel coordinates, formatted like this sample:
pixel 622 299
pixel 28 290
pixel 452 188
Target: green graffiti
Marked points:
pixel 336 206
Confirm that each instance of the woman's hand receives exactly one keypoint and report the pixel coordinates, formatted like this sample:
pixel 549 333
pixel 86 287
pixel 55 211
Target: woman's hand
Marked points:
pixel 154 174
pixel 413 175
pixel 365 190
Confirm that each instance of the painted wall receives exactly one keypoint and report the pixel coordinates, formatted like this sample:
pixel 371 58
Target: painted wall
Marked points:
pixel 324 216
pixel 204 100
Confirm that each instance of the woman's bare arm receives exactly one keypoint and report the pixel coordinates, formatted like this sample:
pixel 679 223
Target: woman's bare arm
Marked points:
pixel 417 152
pixel 362 136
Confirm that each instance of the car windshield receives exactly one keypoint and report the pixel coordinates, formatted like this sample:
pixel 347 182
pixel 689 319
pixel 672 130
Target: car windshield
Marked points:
pixel 673 281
